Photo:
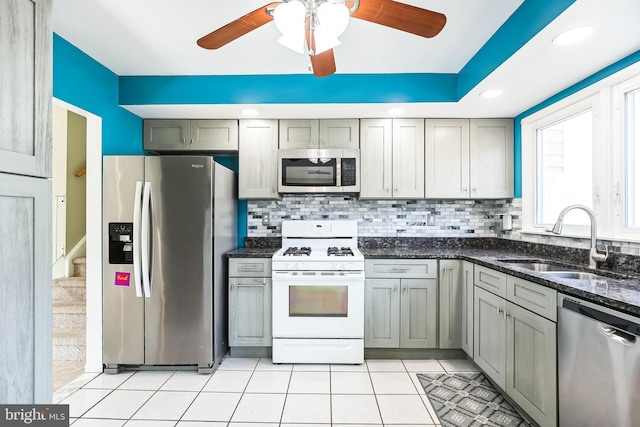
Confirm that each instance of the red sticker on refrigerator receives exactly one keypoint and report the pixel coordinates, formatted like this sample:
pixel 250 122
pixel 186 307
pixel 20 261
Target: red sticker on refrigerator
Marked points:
pixel 122 279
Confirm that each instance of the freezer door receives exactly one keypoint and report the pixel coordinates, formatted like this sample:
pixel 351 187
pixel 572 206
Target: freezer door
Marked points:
pixel 123 311
pixel 178 312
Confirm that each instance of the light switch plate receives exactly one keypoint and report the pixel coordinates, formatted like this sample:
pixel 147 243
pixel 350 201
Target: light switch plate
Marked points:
pixel 265 219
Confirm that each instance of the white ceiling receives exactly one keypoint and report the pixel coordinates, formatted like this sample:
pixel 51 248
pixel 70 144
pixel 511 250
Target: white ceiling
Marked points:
pixel 158 37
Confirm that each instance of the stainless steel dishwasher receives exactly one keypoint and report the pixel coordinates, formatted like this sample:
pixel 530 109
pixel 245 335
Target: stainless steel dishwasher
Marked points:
pixel 598 365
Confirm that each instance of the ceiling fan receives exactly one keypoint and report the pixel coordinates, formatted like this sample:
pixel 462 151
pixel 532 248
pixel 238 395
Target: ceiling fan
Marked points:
pixel 312 26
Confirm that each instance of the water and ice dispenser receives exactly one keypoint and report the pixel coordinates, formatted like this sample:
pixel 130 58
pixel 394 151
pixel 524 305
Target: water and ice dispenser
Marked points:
pixel 120 243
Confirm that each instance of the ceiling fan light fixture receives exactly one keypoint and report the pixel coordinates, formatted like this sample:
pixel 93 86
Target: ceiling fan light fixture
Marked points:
pixel 289 18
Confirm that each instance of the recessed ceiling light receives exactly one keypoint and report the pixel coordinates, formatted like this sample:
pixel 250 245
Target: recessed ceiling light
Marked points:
pixel 250 112
pixel 573 35
pixel 395 111
pixel 491 93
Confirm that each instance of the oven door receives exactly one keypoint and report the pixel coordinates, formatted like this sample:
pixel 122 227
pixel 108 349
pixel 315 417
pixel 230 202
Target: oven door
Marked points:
pixel 318 304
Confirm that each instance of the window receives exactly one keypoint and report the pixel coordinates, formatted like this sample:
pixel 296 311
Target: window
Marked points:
pixel 585 149
pixel 563 162
pixel 632 160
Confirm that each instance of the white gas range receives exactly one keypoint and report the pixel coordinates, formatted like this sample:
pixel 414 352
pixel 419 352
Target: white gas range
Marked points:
pixel 318 294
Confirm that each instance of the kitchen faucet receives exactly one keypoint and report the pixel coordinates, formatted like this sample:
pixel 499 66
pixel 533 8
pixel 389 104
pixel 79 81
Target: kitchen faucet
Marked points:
pixel 594 255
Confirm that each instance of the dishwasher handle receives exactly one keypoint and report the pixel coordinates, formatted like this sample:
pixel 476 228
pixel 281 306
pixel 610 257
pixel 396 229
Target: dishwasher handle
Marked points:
pixel 630 329
pixel 616 335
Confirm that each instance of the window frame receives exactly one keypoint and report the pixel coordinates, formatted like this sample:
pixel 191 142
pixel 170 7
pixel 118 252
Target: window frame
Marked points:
pixel 619 189
pixel 607 98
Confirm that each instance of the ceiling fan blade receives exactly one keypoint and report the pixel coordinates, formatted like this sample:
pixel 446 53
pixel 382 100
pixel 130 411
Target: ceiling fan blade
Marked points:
pixel 237 28
pixel 323 64
pixel 401 16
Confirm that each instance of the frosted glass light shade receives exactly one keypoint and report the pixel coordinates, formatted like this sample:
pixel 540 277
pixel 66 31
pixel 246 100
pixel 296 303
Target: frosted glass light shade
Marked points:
pixel 289 19
pixel 333 19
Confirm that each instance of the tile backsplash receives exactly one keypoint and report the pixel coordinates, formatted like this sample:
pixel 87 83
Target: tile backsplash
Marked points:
pixel 382 218
pixel 410 218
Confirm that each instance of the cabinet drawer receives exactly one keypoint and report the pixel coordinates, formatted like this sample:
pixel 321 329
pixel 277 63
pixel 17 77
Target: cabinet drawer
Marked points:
pixel 250 267
pixel 491 280
pixel 537 298
pixel 401 268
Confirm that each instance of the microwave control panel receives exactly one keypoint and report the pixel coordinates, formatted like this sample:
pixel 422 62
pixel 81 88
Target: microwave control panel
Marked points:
pixel 348 172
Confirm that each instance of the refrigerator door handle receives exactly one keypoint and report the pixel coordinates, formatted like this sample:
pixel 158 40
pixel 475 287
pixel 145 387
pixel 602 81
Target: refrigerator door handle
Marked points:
pixel 137 270
pixel 145 237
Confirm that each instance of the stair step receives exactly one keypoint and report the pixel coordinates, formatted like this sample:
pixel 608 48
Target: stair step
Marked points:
pixel 69 352
pixel 75 336
pixel 69 315
pixel 80 266
pixel 70 289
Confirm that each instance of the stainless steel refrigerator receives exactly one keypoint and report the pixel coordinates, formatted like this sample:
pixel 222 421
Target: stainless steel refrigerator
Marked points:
pixel 168 220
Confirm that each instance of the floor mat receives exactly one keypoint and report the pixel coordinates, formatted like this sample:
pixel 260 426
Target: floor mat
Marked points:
pixel 467 400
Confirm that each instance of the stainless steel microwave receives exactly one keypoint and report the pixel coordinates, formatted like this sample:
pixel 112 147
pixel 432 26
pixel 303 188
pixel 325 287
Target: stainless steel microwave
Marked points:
pixel 319 170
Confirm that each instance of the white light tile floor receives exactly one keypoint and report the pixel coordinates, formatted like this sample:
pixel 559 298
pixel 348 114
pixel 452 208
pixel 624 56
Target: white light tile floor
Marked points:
pixel 256 393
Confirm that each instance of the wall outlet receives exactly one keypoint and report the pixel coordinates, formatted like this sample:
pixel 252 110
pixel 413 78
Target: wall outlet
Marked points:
pixel 431 219
pixel 265 219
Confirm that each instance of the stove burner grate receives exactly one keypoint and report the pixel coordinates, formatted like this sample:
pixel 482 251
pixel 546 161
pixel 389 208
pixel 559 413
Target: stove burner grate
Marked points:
pixel 295 251
pixel 343 251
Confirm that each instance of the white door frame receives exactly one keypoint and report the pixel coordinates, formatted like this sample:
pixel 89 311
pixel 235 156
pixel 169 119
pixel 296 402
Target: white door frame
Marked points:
pixel 94 237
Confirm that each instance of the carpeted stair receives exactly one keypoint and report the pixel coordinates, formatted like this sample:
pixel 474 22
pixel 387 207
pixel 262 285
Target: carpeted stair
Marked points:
pixel 69 314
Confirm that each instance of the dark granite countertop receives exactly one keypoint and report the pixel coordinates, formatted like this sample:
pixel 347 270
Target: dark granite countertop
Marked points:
pixel 620 289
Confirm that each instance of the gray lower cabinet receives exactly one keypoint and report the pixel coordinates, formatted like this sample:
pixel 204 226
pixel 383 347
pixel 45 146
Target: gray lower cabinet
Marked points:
pixel 250 302
pixel 190 135
pixel 467 308
pixel 515 344
pixel 401 304
pixel 25 290
pixel 450 283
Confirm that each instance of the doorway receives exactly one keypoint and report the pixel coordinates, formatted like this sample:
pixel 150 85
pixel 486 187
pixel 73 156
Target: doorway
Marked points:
pixel 92 313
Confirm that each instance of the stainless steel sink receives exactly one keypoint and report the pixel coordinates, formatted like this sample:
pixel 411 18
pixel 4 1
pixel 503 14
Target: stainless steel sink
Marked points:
pixel 554 270
pixel 578 275
pixel 540 266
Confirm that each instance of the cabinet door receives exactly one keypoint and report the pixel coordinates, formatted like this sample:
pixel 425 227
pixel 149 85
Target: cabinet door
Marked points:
pixel 491 161
pixel 382 313
pixel 258 159
pixel 25 87
pixel 375 158
pixel 340 133
pixel 25 290
pixel 167 135
pixel 531 364
pixel 489 334
pixel 249 311
pixel 419 313
pixel 447 158
pixel 214 135
pixel 450 324
pixel 467 308
pixel 299 133
pixel 408 158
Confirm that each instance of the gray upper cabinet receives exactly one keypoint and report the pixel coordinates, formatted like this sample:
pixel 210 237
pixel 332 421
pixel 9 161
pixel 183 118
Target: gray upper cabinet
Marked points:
pixel 491 158
pixel 25 87
pixel 469 158
pixel 258 159
pixel 190 135
pixel 338 133
pixel 392 158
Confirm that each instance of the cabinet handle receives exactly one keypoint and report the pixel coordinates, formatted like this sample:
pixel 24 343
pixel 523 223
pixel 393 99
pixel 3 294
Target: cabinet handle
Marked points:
pixel 474 189
pixel 500 311
pixel 184 141
pixel 192 140
pixel 465 189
